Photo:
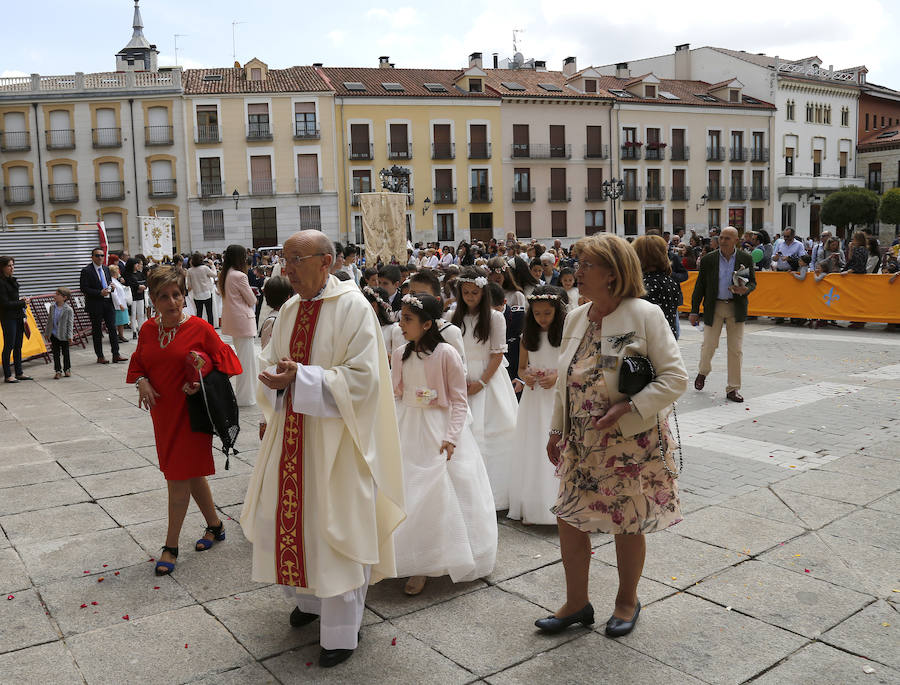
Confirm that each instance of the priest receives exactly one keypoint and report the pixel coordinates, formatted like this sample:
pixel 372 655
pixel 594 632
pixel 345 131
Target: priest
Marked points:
pixel 326 492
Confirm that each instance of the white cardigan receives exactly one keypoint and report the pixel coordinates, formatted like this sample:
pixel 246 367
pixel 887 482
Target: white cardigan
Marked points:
pixel 635 328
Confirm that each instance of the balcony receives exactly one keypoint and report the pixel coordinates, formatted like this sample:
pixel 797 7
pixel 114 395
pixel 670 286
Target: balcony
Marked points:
pixel 523 194
pixel 759 154
pixel 680 154
pixel 759 193
pixel 60 139
pixel 443 150
pixel 715 153
pixel 18 195
pixel 631 194
pixel 15 141
pixel 807 183
pixel 63 192
pixel 631 151
pixel 360 151
pixel 110 190
pixel 715 193
pixel 680 193
pixel 158 135
pixel 541 151
pixel 259 131
pixel 210 188
pixel 309 186
pixel 208 133
pixel 481 194
pixel 161 187
pixel 655 193
pixel 444 196
pixel 655 151
pixel 400 151
pixel 738 193
pixel 262 186
pixel 739 154
pixel 354 195
pixel 479 150
pixel 559 194
pixel 106 137
pixel 594 194
pixel 306 131
pixel 596 151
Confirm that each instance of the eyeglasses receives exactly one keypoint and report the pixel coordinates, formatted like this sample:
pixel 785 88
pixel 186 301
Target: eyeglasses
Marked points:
pixel 98 254
pixel 585 266
pixel 298 260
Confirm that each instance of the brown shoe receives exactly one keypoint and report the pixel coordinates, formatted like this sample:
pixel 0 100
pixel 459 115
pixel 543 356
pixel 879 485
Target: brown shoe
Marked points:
pixel 120 358
pixel 102 360
pixel 734 396
pixel 415 585
pixel 699 381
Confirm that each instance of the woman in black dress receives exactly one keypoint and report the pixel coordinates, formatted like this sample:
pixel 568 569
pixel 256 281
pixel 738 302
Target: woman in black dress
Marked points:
pixel 12 318
pixel 662 290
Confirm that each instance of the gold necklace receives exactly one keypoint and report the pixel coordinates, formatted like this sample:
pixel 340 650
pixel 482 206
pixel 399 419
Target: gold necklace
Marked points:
pixel 167 336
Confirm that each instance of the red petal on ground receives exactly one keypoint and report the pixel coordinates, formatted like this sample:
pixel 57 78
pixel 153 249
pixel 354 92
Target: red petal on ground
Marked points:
pixel 84 606
pixel 105 565
pixel 93 604
pixel 100 579
pixel 185 645
pixel 806 570
pixel 125 617
pixel 156 587
pixel 309 663
pixel 116 573
pixel 10 596
pixel 87 571
pixel 394 642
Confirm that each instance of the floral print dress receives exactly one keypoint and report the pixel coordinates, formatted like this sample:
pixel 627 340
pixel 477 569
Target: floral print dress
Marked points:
pixel 610 483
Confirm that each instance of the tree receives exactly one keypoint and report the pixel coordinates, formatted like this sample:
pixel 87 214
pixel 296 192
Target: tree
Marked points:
pixel 889 212
pixel 849 207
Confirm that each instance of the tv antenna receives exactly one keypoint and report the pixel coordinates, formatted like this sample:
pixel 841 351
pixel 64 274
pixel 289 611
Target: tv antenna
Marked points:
pixel 233 42
pixel 177 36
pixel 516 31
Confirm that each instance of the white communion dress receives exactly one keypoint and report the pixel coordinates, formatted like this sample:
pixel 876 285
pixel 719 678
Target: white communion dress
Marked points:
pixel 451 526
pixel 493 408
pixel 533 486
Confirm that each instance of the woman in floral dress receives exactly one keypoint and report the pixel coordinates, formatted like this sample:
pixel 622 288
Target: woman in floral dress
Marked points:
pixel 614 478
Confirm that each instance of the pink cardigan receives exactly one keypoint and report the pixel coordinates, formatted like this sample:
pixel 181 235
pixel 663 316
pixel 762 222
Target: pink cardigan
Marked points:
pixel 445 373
pixel 238 306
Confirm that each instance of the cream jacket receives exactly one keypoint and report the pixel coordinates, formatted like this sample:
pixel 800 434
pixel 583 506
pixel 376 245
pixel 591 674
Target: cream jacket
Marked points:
pixel 635 328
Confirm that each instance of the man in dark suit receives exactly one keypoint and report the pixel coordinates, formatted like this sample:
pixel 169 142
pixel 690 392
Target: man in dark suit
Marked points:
pixel 389 278
pixel 94 283
pixel 724 302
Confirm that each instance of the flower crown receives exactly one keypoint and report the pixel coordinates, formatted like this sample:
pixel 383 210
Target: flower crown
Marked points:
pixel 413 301
pixel 368 290
pixel 544 296
pixel 500 269
pixel 480 281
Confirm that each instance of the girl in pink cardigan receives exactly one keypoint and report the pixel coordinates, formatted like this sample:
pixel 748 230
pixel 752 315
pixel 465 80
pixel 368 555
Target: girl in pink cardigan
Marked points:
pixel 450 527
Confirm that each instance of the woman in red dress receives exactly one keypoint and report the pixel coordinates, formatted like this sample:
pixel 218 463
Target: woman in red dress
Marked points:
pixel 159 371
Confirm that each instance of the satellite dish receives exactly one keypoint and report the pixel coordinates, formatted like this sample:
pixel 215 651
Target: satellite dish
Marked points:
pixel 519 58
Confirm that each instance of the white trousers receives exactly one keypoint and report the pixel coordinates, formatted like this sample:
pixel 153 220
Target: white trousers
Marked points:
pixel 340 617
pixel 140 315
pixel 245 384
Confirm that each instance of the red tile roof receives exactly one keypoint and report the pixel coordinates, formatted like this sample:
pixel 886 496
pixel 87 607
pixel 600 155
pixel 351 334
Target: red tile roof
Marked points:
pixel 290 80
pixel 879 139
pixel 412 80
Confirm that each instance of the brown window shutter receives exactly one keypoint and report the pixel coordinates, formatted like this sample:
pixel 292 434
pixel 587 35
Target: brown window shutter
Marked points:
pixel 399 139
pixel 304 107
pixel 262 108
pixel 557 135
pixel 359 134
pixel 442 134
pixel 595 181
pixel 523 224
pixel 520 134
pixel 478 134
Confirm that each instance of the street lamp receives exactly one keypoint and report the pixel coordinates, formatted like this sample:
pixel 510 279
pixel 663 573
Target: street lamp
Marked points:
pixel 613 189
pixel 426 203
pixel 235 196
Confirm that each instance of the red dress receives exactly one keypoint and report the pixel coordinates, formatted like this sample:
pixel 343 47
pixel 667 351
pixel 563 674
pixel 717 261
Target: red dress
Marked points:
pixel 182 453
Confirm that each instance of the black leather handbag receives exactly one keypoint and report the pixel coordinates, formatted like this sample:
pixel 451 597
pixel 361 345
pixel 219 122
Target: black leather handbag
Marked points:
pixel 634 375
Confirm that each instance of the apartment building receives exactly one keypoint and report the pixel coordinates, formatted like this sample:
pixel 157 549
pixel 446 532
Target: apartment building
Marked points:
pixel 813 149
pixel 878 146
pixel 97 146
pixel 688 154
pixel 437 131
pixel 260 153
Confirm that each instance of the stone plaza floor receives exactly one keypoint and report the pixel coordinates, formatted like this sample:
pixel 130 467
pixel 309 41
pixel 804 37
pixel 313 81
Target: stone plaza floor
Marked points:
pixel 785 570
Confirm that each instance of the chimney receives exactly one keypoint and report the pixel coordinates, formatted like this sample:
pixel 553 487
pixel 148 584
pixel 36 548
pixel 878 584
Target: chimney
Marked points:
pixel 540 65
pixel 622 70
pixel 317 64
pixel 683 62
pixel 569 66
pixel 475 60
pixel 384 62
pixel 496 57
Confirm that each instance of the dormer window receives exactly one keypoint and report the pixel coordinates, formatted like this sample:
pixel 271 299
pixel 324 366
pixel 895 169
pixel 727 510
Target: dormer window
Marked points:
pixel 734 95
pixel 475 85
pixel 649 91
pixel 590 85
pixel 256 74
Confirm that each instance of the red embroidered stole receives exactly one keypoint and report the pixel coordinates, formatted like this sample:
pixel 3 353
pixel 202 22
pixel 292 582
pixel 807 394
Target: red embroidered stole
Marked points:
pixel 290 564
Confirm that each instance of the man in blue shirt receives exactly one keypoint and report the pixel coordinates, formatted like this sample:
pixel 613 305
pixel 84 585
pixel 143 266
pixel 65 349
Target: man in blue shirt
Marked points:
pixel 787 248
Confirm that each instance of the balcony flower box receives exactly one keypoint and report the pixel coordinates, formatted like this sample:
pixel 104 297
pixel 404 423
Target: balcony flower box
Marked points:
pixel 656 146
pixel 633 144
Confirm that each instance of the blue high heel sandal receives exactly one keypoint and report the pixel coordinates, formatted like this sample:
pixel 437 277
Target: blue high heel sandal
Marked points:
pixel 164 568
pixel 218 535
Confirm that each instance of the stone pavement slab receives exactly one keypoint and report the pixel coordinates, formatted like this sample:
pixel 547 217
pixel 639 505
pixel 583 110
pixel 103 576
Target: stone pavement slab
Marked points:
pixel 591 658
pixel 837 486
pixel 388 599
pixel 41 496
pixel 33 527
pixel 141 507
pixel 874 633
pixel 123 482
pixel 101 462
pixel 175 646
pixel 29 474
pixel 813 511
pixel 49 664
pixel 816 661
pixel 736 530
pixel 698 637
pixel 519 552
pixel 867 466
pixel 876 528
pixel 23 621
pixel 251 674
pixel 889 503
pixel 12 572
pixel 377 660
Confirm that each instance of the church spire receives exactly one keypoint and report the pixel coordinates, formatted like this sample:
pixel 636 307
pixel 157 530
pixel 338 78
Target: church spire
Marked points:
pixel 137 37
pixel 139 54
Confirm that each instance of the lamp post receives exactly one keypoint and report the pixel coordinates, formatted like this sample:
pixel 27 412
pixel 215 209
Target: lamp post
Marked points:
pixel 235 196
pixel 613 189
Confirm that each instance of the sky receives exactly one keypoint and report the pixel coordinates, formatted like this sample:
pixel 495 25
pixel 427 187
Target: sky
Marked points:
pixel 85 35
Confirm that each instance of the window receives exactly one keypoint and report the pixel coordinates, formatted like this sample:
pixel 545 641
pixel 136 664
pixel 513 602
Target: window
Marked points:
pixel 558 223
pixel 557 141
pixel 474 87
pixel 653 220
pixel 678 219
pixel 445 227
pixel 654 186
pixel 310 218
pixel 867 121
pixel 590 85
pixel 594 190
pixel 523 224
pixel 734 95
pixel 650 92
pixel 559 191
pixel 258 121
pixel 594 147
pixel 810 114
pixel 359 142
pixel 737 146
pixel 789 110
pixel 393 87
pixel 522 185
pixel 512 85
pixel 843 166
pixel 210 176
pixel 630 149
pixel 213 224
pixel 263 226
pixel 442 147
pixel 715 152
pixel 817 109
pixel 255 74
pixel 305 125
pixel 882 121
pixel 736 218
pixel 756 218
pixel 435 87
pixel 409 223
pixel 481 225
pixel 207 124
pixel 654 148
pixel 788 210
pixel 308 174
pixel 788 161
pixel 826 118
pixel 713 218
pixel 362 183
pixel 520 140
pixel 115 230
pixel 479 148
pixel 358 230
pixel 594 221
pixel 480 191
pixel 355 86
pixel 398 146
pixel 817 162
pixel 261 176
pixel 550 87
pixel 630 217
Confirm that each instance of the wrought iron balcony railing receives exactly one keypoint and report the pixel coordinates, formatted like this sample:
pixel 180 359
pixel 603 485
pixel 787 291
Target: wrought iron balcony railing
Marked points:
pixel 18 195
pixel 443 150
pixel 106 137
pixel 259 131
pixel 715 153
pixel 208 133
pixel 479 150
pixel 444 196
pixel 60 139
pixel 360 150
pixel 14 141
pixel 158 135
pixel 559 194
pixel 110 190
pixel 522 194
pixel 63 192
pixel 162 187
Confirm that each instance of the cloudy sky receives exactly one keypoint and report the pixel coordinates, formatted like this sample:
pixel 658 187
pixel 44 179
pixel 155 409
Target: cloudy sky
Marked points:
pixel 85 35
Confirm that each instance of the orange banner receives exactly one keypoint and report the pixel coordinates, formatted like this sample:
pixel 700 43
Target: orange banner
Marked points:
pixel 854 297
pixel 32 345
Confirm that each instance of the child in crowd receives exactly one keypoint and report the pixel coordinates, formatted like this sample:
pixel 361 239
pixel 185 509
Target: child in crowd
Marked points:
pixel 533 489
pixel 450 527
pixel 492 401
pixel 370 277
pixel 567 282
pixel 120 301
pixel 60 330
pixel 498 297
pixel 426 282
pixel 516 304
pixel 276 292
pixel 378 298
